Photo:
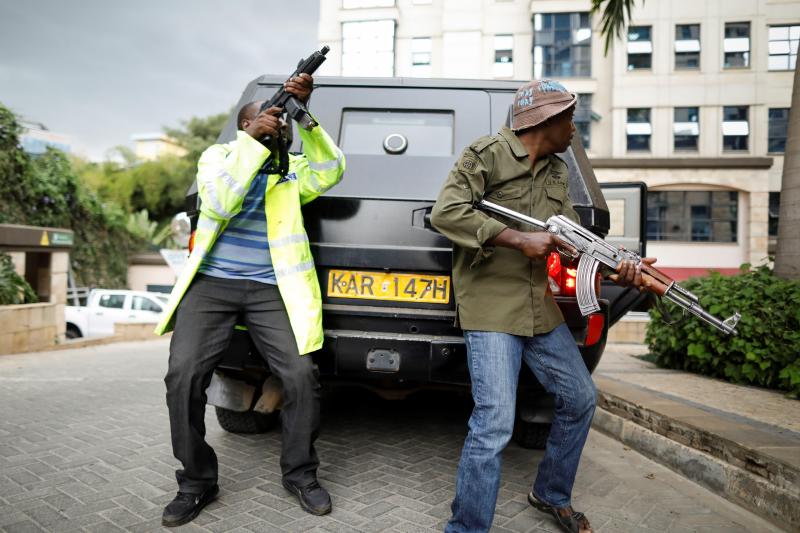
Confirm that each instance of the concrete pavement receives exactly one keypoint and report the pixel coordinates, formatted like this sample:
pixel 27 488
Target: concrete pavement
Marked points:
pixel 737 440
pixel 84 446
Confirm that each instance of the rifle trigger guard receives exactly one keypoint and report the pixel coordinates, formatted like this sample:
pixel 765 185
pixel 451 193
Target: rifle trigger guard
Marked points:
pixel 566 253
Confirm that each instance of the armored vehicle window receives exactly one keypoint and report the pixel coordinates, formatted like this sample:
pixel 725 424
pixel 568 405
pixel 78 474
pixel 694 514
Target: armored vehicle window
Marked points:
pixel 376 132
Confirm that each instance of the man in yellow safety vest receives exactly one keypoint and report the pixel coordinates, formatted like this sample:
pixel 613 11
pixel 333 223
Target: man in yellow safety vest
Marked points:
pixel 251 261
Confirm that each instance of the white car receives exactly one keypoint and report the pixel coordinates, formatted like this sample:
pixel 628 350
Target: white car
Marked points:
pixel 105 307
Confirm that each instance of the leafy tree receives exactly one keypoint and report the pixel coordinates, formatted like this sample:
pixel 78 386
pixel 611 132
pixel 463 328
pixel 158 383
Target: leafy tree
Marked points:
pixel 158 186
pixel 46 191
pixel 613 19
pixel 787 254
pixel 198 133
pixel 13 287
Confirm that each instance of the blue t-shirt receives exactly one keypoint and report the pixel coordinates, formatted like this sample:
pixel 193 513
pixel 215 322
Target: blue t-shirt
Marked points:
pixel 242 250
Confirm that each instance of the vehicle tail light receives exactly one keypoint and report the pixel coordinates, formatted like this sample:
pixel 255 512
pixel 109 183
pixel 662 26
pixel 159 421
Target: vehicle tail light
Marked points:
pixel 563 276
pixel 594 329
pixel 554 272
pixel 191 241
pixel 568 277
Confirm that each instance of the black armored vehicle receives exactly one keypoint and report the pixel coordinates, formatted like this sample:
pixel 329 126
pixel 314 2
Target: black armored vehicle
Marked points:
pixel 388 307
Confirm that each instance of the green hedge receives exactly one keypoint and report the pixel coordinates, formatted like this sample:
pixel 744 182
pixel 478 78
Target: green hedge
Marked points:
pixel 13 287
pixel 766 351
pixel 45 191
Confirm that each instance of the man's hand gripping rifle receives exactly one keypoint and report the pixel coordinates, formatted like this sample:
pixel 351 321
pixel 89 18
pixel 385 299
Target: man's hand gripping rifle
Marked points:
pixel 593 250
pixel 295 109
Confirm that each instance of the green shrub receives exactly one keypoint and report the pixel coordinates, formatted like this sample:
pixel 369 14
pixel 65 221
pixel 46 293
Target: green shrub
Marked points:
pixel 45 191
pixel 13 287
pixel 766 351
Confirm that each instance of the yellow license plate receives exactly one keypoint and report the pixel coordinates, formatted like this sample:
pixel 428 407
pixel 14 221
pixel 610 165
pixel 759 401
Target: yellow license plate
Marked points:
pixel 389 286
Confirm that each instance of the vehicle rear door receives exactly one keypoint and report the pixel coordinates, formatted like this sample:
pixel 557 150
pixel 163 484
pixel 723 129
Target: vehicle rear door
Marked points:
pixel 627 226
pixel 371 234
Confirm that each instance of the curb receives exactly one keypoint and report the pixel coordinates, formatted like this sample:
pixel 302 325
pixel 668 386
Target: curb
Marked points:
pixel 762 485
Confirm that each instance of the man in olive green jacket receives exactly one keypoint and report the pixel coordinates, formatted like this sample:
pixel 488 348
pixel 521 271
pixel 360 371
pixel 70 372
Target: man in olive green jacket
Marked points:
pixel 506 309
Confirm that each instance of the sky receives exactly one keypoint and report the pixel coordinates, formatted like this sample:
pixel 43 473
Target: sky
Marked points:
pixel 100 71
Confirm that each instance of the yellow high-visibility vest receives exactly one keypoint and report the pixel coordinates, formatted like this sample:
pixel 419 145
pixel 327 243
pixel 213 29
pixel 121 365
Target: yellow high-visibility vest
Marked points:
pixel 224 174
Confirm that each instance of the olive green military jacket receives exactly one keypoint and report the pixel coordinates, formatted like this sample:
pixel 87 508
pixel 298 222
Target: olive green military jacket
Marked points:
pixel 496 288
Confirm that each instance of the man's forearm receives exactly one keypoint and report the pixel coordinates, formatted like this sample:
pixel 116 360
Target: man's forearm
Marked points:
pixel 508 238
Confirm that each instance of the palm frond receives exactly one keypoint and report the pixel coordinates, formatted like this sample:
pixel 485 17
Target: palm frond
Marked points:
pixel 616 15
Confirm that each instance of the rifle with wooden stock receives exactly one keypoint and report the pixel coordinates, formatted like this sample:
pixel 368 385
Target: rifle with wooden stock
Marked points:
pixel 593 251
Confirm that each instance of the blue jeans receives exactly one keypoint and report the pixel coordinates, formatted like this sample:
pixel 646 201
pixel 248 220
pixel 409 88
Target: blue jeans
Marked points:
pixel 494 363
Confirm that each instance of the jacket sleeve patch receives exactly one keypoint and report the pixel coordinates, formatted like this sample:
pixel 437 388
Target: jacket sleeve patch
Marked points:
pixel 469 163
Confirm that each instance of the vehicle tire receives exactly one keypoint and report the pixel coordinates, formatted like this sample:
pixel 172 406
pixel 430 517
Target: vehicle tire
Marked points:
pixel 246 422
pixel 531 435
pixel 73 332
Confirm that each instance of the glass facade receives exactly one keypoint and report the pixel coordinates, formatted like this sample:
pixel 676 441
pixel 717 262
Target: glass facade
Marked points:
pixel 421 57
pixel 562 45
pixel 686 128
pixel 503 56
pixel 737 45
pixel 687 46
pixel 583 119
pixel 735 128
pixel 774 211
pixel 357 4
pixel 638 130
pixel 691 216
pixel 778 129
pixel 368 48
pixel 782 47
pixel 640 48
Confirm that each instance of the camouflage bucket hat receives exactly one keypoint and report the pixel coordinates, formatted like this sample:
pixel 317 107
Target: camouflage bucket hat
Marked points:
pixel 539 100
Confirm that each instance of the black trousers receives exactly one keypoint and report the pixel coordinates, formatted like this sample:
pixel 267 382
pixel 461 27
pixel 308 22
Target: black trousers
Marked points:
pixel 204 324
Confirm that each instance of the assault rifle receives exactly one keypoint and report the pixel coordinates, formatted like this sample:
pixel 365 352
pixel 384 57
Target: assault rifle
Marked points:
pixel 593 250
pixel 295 109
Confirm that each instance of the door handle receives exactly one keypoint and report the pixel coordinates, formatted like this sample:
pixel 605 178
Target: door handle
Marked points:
pixel 421 218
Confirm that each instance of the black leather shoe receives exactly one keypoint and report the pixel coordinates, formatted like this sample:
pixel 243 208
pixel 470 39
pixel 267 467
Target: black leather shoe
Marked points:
pixel 313 498
pixel 186 506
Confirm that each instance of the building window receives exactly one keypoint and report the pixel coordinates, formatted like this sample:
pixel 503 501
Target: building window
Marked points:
pixel 640 48
pixel 687 46
pixel 690 216
pixel 774 211
pixel 562 45
pixel 356 4
pixel 778 129
pixel 735 128
pixel 737 45
pixel 638 129
pixel 783 47
pixel 421 57
pixel 503 56
pixel 583 119
pixel 686 128
pixel 368 48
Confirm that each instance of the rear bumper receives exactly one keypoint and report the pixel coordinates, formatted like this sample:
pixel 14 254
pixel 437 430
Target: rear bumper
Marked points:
pixel 406 346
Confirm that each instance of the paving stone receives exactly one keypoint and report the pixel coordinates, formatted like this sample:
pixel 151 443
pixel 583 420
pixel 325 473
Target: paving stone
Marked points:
pixel 100 460
pixel 24 526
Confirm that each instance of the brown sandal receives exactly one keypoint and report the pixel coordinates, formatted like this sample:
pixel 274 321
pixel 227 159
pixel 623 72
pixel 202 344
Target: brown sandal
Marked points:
pixel 574 522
